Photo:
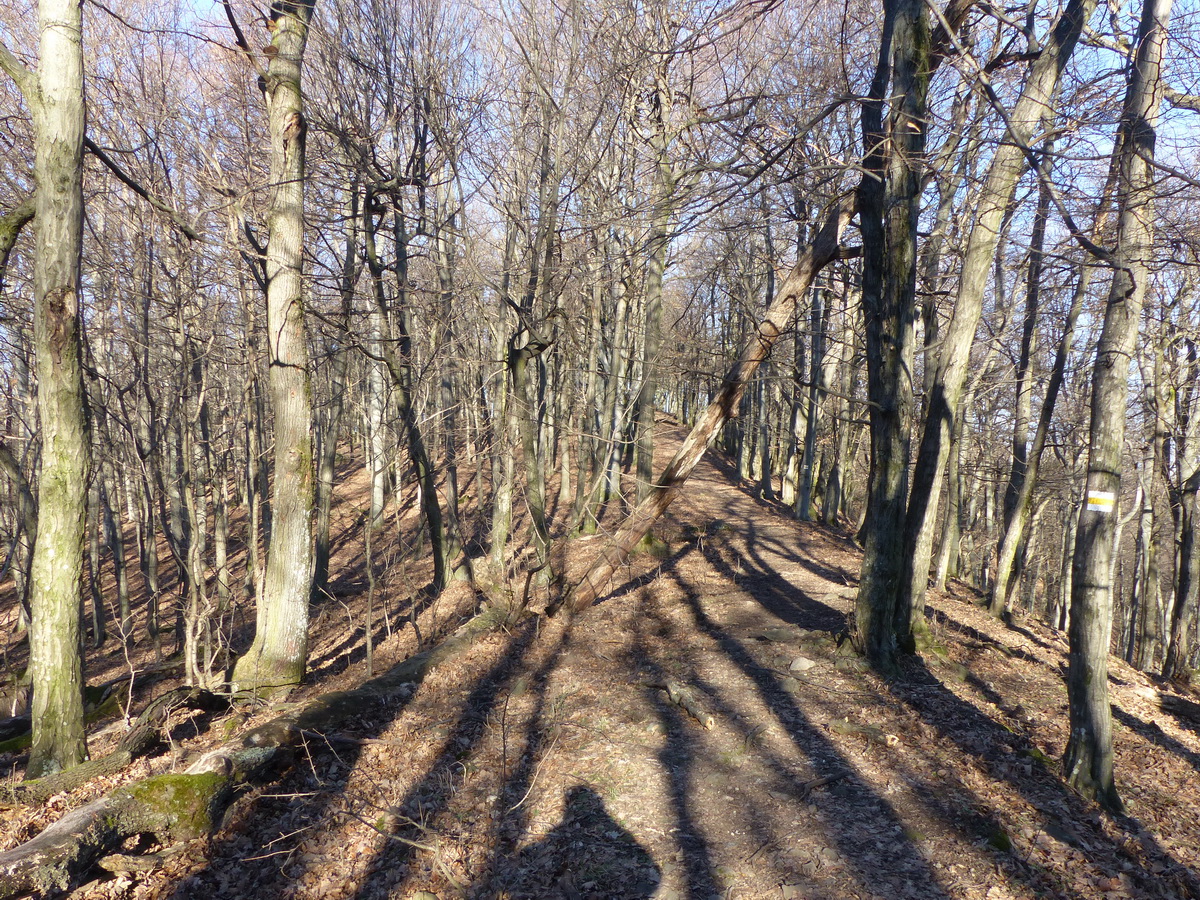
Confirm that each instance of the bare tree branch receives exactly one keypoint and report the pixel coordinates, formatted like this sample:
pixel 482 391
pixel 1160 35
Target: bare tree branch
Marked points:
pixel 11 224
pixel 24 77
pixel 176 218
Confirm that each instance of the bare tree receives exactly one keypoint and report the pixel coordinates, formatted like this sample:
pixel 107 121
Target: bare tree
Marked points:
pixel 55 98
pixel 1088 760
pixel 280 650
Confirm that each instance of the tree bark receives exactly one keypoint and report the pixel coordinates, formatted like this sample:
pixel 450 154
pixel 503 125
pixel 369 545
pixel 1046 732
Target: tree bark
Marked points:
pixel 332 422
pixel 280 650
pixel 1088 760
pixel 57 101
pixel 1031 111
pixel 889 201
pixel 1185 505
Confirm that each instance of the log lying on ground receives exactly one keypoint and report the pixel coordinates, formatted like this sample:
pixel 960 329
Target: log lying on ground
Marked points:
pixel 812 259
pixel 683 697
pixel 142 737
pixel 186 805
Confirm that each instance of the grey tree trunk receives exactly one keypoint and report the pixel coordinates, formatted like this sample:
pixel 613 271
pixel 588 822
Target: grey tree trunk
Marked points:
pixel 819 325
pixel 1145 603
pixel 1023 479
pixel 55 98
pixel 824 249
pixel 450 384
pixel 504 454
pixel 331 424
pixel 946 564
pixel 99 631
pixel 1185 506
pixel 1031 112
pixel 396 351
pixel 663 199
pixel 280 650
pixel 1088 760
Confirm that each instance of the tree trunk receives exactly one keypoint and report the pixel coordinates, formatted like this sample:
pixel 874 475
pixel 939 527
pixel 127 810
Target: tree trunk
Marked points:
pixel 637 525
pixel 889 204
pixel 396 355
pixel 1030 112
pixel 56 99
pixel 1088 760
pixel 449 385
pixel 656 264
pixel 1014 531
pixel 280 650
pixel 331 426
pixel 820 322
pixel 946 565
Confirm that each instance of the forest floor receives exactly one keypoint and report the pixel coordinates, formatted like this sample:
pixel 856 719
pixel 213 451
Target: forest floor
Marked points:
pixel 549 762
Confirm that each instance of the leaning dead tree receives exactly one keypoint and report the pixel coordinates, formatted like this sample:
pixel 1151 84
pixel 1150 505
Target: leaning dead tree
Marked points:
pixel 812 259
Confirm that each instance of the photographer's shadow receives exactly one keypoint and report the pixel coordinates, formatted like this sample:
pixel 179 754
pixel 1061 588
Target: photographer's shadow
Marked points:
pixel 587 856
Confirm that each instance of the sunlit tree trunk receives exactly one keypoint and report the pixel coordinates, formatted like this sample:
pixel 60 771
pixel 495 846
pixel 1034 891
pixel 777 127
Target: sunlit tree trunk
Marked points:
pixel 1088 760
pixel 1185 507
pixel 280 650
pixel 331 424
pixel 824 249
pixel 1031 111
pixel 55 97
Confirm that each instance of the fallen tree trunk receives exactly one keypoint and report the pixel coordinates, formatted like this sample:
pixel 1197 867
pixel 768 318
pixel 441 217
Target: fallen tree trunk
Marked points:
pixel 812 259
pixel 145 735
pixel 183 806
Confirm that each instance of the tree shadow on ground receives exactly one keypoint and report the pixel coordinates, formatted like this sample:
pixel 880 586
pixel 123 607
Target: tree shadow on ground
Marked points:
pixel 1186 713
pixel 943 620
pixel 999 751
pixel 857 802
pixel 431 794
pixel 353 649
pixel 306 799
pixel 973 733
pixel 781 598
pixel 1152 733
pixel 676 757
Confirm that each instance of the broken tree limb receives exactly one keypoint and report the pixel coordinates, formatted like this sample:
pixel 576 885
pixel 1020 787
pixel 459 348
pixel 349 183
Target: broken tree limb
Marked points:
pixel 812 259
pixel 187 805
pixel 685 699
pixel 11 224
pixel 872 733
pixel 809 786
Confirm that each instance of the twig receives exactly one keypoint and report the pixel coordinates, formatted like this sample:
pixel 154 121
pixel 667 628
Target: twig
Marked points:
pixel 533 781
pixel 392 837
pixel 809 786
